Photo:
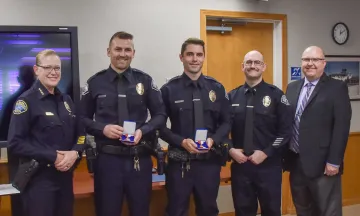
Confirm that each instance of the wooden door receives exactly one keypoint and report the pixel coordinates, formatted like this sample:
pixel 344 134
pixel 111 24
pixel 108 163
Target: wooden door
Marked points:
pixel 225 52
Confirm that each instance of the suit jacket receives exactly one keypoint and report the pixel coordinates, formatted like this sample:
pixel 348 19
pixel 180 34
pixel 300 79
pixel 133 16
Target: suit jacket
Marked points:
pixel 324 125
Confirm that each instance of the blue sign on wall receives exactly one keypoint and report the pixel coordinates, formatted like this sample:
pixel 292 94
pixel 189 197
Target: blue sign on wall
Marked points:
pixel 295 73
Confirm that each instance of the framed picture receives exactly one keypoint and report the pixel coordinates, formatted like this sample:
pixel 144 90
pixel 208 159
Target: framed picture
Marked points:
pixel 347 69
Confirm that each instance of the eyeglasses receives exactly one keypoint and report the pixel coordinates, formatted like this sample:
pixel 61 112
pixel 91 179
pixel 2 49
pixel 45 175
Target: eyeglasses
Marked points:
pixel 256 63
pixel 48 69
pixel 314 60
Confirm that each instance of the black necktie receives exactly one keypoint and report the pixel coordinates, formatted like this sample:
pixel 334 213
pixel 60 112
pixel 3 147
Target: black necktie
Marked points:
pixel 198 108
pixel 249 123
pixel 123 112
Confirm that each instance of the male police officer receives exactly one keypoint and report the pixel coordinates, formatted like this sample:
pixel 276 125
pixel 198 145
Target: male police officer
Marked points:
pixel 194 101
pixel 261 124
pixel 120 96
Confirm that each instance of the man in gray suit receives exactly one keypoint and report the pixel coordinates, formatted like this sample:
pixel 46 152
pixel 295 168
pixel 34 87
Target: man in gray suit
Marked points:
pixel 322 113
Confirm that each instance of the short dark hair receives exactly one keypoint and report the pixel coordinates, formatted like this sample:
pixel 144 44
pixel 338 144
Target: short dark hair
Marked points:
pixel 121 35
pixel 195 41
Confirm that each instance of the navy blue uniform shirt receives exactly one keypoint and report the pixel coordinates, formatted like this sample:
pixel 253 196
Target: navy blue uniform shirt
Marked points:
pixel 43 123
pixel 178 98
pixel 99 103
pixel 272 117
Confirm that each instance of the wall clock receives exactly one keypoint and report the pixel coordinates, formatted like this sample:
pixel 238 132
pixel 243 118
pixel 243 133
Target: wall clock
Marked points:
pixel 340 33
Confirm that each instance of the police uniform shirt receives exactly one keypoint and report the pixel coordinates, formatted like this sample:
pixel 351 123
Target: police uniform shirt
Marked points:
pixel 178 98
pixel 99 102
pixel 272 118
pixel 43 123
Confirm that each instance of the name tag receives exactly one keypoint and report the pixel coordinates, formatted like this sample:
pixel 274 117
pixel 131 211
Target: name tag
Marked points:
pixel 121 95
pixel 102 96
pixel 235 104
pixel 179 101
pixel 49 113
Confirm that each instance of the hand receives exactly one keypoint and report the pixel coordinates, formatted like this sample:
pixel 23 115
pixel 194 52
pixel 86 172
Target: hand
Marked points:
pixel 331 170
pixel 190 146
pixel 138 135
pixel 113 131
pixel 237 155
pixel 59 158
pixel 69 158
pixel 210 142
pixel 257 157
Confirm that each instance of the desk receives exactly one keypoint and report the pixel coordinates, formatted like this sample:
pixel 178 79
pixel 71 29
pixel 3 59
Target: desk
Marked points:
pixel 84 189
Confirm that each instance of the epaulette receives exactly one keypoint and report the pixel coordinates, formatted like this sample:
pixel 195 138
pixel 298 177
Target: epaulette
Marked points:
pixel 214 80
pixel 174 78
pixel 275 88
pixel 140 71
pixel 96 74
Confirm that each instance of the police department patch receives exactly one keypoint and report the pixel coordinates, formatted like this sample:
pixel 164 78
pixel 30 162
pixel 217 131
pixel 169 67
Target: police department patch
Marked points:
pixel 284 100
pixel 67 106
pixel 20 107
pixel 154 86
pixel 85 89
pixel 266 101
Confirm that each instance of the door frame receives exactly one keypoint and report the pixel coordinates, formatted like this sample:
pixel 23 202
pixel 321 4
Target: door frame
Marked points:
pixel 280 33
pixel 280 59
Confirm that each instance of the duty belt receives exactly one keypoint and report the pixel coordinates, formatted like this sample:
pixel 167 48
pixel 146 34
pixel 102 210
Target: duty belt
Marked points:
pixel 136 151
pixel 185 158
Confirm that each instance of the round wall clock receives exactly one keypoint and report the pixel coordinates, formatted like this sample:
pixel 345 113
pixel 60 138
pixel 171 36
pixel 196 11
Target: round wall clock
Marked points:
pixel 340 33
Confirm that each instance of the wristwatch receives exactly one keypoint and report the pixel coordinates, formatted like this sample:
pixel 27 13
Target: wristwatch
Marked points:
pixel 78 155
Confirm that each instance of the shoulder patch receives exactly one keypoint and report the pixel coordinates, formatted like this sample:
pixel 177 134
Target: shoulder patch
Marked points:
pixel 284 100
pixel 153 85
pixel 85 89
pixel 20 107
pixel 226 95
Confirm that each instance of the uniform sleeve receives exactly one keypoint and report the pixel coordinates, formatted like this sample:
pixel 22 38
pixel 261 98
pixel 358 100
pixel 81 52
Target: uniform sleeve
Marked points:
pixel 19 135
pixel 225 118
pixel 165 133
pixel 341 126
pixel 156 107
pixel 86 113
pixel 283 125
pixel 79 130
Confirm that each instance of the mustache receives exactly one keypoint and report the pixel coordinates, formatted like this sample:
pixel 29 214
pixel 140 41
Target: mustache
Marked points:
pixel 252 68
pixel 122 58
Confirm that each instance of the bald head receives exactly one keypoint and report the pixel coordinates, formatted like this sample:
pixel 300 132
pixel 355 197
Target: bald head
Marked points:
pixel 313 51
pixel 253 65
pixel 313 63
pixel 254 54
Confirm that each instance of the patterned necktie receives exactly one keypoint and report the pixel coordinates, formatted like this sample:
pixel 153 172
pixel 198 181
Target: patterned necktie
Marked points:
pixel 295 138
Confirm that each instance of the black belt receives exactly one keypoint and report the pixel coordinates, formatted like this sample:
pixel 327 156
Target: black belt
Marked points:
pixel 183 156
pixel 137 150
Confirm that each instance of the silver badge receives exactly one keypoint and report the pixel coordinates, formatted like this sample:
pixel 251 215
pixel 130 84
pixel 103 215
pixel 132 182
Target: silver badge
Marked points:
pixel 266 101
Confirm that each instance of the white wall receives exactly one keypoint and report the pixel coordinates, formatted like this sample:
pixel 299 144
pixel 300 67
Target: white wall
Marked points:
pixel 160 26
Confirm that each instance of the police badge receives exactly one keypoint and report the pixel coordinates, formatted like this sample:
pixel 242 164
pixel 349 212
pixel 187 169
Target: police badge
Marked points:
pixel 212 96
pixel 140 88
pixel 266 101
